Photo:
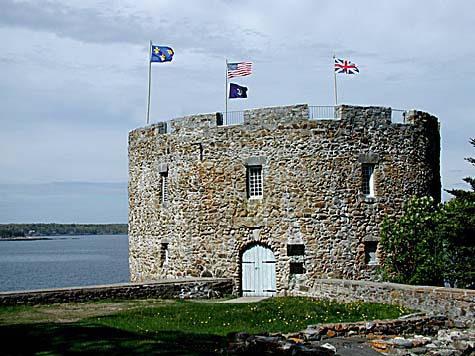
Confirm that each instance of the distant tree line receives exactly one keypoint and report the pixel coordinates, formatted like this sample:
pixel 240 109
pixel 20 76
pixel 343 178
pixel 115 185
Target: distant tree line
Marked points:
pixel 23 230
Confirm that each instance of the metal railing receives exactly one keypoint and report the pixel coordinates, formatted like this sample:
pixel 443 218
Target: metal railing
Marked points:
pixel 233 118
pixel 322 112
pixel 330 112
pixel 168 126
pixel 314 112
pixel 398 116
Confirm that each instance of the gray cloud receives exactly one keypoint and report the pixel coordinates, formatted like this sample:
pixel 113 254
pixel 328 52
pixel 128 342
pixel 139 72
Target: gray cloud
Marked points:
pixel 85 25
pixel 214 36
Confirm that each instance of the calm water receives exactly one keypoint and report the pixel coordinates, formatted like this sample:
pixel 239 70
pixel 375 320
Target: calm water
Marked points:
pixel 63 261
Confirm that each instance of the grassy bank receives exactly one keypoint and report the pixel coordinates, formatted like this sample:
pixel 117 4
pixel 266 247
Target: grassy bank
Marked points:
pixel 164 327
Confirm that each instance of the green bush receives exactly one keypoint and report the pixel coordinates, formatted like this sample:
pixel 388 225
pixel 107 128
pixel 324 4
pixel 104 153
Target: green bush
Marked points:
pixel 411 247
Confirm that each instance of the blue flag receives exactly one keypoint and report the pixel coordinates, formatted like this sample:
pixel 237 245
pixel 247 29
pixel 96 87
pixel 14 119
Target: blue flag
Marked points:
pixel 161 54
pixel 237 91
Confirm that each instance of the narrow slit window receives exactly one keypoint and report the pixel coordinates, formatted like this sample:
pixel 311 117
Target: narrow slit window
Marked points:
pixel 368 180
pixel 164 187
pixel 254 182
pixel 164 254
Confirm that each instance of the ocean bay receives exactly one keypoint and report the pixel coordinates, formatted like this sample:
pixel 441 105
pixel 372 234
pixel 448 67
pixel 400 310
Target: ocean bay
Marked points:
pixel 63 261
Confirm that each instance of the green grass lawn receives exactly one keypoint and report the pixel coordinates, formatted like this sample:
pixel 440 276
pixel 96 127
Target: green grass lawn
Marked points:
pixel 171 328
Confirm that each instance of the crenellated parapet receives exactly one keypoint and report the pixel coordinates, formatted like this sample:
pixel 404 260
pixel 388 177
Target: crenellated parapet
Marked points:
pixel 273 117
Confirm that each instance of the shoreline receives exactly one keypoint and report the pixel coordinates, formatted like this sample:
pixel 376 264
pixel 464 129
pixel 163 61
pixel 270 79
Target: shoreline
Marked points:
pixel 53 237
pixel 21 238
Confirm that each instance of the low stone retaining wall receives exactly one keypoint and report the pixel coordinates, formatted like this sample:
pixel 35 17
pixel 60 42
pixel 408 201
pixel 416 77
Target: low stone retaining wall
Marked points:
pixel 457 304
pixel 406 325
pixel 200 288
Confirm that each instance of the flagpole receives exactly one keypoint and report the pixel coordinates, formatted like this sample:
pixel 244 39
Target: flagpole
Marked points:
pixel 226 97
pixel 334 78
pixel 149 78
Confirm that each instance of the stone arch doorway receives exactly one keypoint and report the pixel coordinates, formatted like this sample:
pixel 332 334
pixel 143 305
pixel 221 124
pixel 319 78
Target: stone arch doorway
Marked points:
pixel 258 272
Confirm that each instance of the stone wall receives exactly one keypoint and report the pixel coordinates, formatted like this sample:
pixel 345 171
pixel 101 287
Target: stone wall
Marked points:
pixel 312 182
pixel 179 289
pixel 421 335
pixel 457 304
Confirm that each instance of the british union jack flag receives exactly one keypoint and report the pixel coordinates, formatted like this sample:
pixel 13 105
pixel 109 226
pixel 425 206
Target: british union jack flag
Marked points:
pixel 344 66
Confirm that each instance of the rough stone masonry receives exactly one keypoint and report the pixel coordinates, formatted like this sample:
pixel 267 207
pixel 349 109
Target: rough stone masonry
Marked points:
pixel 312 192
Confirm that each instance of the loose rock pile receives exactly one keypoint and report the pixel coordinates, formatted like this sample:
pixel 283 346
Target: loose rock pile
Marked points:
pixel 413 335
pixel 245 344
pixel 445 343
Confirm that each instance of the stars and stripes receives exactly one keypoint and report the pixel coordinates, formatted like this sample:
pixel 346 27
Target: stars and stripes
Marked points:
pixel 344 66
pixel 239 69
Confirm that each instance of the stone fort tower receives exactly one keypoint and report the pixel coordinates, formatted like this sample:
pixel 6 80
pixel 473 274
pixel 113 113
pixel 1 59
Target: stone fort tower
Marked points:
pixel 277 200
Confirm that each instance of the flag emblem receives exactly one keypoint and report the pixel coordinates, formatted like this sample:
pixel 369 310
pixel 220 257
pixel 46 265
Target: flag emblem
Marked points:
pixel 239 69
pixel 344 66
pixel 161 54
pixel 237 91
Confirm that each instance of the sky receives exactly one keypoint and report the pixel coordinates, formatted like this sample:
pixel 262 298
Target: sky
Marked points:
pixel 74 79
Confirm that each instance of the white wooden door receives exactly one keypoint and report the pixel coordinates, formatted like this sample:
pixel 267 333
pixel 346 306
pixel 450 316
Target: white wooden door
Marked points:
pixel 258 272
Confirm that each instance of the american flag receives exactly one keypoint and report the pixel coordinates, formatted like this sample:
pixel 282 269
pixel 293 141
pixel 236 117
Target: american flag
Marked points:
pixel 239 69
pixel 345 66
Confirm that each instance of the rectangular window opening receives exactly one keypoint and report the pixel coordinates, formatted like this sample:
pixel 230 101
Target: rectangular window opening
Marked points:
pixel 371 257
pixel 296 268
pixel 295 249
pixel 254 182
pixel 368 180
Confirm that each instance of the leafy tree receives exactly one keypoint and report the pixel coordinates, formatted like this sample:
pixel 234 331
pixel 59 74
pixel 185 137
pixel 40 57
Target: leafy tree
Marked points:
pixel 463 194
pixel 411 248
pixel 457 228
